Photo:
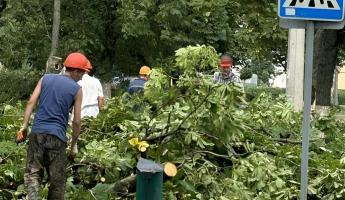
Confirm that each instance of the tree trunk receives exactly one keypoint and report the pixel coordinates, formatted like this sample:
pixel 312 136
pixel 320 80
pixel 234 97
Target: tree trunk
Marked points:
pixel 55 34
pixel 326 47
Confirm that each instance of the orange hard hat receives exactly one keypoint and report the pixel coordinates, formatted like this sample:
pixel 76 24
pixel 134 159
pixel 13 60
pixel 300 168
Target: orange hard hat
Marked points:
pixel 88 65
pixel 76 61
pixel 145 70
pixel 226 61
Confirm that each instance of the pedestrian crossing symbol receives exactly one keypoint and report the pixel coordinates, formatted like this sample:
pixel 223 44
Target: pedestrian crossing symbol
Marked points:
pixel 318 10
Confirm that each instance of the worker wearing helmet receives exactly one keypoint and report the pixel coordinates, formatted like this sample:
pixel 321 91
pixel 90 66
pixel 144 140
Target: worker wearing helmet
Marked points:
pixel 93 98
pixel 55 95
pixel 137 85
pixel 225 75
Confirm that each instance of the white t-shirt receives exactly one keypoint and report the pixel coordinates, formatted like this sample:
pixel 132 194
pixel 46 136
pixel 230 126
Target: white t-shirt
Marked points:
pixel 92 89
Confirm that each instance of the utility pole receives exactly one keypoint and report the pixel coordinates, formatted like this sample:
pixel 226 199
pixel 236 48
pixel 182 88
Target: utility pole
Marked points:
pixel 295 68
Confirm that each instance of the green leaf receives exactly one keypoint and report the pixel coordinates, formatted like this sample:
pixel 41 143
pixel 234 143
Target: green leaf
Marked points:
pixel 187 186
pixel 9 173
pixel 101 191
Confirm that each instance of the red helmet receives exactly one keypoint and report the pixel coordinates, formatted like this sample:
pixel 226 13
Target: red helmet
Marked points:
pixel 77 61
pixel 226 61
pixel 88 66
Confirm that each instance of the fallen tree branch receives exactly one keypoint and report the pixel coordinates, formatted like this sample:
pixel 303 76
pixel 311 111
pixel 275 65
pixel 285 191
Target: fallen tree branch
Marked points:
pixel 215 154
pixel 82 164
pixel 285 140
pixel 289 141
pixel 123 185
pixel 96 131
pixel 162 136
pixel 280 140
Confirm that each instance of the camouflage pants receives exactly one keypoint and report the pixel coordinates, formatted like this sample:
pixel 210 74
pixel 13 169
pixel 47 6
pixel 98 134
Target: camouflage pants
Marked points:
pixel 45 152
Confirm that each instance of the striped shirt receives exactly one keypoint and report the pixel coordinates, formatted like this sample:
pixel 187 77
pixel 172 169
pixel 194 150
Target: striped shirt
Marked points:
pixel 218 77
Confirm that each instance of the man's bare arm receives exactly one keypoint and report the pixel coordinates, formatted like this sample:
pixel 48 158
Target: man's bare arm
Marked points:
pixel 22 133
pixel 76 123
pixel 31 104
pixel 101 101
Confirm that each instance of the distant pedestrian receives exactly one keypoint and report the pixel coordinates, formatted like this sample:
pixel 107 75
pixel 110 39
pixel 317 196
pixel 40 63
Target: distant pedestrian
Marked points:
pixel 138 84
pixel 55 95
pixel 93 97
pixel 226 75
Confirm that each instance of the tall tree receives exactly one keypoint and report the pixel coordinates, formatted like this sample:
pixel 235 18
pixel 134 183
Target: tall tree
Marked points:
pixel 248 30
pixel 327 45
pixel 55 34
pixel 56 27
pixel 24 30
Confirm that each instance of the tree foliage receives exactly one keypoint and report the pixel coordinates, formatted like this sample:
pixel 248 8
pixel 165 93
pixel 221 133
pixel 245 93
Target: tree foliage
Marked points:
pixel 225 147
pixel 16 85
pixel 123 35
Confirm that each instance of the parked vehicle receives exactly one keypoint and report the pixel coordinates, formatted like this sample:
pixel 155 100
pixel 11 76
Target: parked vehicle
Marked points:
pixel 116 80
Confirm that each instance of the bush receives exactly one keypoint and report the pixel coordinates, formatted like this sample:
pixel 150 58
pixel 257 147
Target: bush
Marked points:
pixel 341 97
pixel 17 85
pixel 120 88
pixel 252 91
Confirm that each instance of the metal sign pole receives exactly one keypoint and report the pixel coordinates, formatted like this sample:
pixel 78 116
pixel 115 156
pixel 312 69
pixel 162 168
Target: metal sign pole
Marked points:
pixel 308 73
pixel 299 14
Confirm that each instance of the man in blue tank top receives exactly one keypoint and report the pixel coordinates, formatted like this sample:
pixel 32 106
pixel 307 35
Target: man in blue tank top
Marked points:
pixel 56 95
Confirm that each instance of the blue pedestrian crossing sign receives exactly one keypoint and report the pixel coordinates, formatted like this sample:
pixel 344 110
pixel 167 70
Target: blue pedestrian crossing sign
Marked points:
pixel 318 10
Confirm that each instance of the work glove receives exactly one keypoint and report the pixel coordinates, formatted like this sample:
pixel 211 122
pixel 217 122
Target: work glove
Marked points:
pixel 21 135
pixel 74 151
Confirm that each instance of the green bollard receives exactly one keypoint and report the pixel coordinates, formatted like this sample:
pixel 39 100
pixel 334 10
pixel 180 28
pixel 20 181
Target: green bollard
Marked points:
pixel 149 181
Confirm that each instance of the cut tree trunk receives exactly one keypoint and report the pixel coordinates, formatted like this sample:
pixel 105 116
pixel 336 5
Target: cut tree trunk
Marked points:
pixel 170 169
pixel 326 48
